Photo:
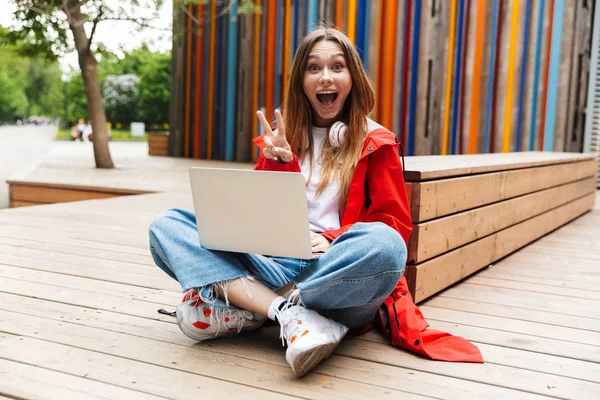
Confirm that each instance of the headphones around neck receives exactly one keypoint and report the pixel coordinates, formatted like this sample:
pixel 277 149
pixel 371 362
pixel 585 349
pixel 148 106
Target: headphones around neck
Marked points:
pixel 337 134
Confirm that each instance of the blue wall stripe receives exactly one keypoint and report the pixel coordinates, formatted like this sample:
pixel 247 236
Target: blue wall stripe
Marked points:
pixel 231 82
pixel 295 34
pixel 523 75
pixel 313 14
pixel 367 26
pixel 536 73
pixel 457 66
pixel 360 29
pixel 559 8
pixel 414 79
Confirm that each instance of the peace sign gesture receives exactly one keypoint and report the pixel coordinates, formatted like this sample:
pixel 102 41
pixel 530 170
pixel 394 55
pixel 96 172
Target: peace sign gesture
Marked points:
pixel 276 147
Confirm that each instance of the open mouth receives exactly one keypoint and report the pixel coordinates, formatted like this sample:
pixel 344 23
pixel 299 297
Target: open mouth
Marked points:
pixel 327 98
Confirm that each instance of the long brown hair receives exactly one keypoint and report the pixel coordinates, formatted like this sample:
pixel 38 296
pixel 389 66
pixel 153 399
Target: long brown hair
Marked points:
pixel 298 113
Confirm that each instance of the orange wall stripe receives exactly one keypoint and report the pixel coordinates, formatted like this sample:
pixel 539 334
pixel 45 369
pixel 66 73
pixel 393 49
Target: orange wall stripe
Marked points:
pixel 476 85
pixel 449 78
pixel 510 85
pixel 339 12
pixel 352 20
pixel 388 57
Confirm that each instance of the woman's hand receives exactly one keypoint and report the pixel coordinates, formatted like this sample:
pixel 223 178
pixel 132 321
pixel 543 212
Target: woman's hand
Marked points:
pixel 276 147
pixel 319 243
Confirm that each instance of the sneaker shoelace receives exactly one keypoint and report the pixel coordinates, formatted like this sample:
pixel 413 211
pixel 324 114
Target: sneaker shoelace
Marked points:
pixel 291 327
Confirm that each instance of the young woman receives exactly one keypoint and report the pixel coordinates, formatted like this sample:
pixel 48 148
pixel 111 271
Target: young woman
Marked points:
pixel 358 212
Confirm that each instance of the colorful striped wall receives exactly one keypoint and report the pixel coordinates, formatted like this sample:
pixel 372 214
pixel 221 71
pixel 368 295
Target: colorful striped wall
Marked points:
pixel 451 76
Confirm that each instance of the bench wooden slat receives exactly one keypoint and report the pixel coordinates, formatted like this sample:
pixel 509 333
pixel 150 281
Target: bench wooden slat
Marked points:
pixel 430 277
pixel 437 236
pixel 438 198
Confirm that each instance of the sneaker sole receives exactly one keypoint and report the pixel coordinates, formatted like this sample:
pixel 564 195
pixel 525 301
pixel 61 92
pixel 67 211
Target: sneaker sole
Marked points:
pixel 310 359
pixel 307 361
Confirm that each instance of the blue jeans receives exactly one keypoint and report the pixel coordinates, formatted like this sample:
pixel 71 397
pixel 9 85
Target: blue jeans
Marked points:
pixel 347 284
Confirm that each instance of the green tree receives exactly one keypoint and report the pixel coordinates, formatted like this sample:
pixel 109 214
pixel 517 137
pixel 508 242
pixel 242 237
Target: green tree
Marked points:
pixel 43 31
pixel 13 80
pixel 76 100
pixel 44 88
pixel 155 89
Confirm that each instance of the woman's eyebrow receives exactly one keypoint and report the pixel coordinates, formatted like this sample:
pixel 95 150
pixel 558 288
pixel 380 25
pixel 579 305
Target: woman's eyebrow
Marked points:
pixel 333 55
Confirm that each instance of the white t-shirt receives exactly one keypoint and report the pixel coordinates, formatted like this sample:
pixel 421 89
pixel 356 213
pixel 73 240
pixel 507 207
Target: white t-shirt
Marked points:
pixel 323 209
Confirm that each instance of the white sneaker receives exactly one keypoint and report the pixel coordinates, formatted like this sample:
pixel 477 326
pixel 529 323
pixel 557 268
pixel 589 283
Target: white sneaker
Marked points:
pixel 310 337
pixel 200 321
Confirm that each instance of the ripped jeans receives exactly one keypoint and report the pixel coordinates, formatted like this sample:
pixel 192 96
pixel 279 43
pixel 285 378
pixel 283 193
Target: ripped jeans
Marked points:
pixel 347 284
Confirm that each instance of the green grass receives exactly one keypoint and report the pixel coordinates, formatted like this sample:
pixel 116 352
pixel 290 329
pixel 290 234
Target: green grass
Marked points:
pixel 117 135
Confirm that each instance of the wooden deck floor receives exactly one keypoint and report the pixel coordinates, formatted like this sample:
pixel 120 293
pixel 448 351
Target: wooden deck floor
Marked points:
pixel 79 296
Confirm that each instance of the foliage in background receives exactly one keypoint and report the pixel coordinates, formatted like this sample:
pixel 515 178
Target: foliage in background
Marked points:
pixel 152 90
pixel 29 85
pixel 120 96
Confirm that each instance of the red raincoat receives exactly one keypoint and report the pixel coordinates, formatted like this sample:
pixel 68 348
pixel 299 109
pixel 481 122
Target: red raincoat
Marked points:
pixel 379 173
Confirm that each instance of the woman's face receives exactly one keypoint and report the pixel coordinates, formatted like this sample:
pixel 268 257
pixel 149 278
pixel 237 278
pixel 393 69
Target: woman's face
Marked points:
pixel 327 82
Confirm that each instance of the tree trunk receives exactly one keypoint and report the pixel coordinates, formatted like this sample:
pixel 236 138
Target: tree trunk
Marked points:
pixel 89 72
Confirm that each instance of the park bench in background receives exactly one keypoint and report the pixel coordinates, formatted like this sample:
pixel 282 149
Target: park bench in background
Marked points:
pixel 158 144
pixel 469 211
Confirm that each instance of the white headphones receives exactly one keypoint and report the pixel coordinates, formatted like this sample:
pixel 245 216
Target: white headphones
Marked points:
pixel 337 134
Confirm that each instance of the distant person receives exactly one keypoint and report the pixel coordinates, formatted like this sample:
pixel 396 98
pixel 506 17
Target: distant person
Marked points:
pixel 87 131
pixel 80 128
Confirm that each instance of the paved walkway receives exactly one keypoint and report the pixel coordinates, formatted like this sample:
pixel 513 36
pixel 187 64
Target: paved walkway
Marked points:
pixel 21 146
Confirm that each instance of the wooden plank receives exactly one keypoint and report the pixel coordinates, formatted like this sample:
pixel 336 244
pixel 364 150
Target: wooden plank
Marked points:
pixel 511 377
pixel 563 280
pixel 449 196
pixel 148 277
pixel 89 251
pixel 256 368
pixel 21 203
pixel 429 239
pixel 434 275
pixel 27 381
pixel 430 384
pixel 523 342
pixel 91 239
pixel 121 372
pixel 54 195
pixel 581 310
pixel 424 383
pixel 124 290
pixel 575 344
pixel 421 168
pixel 529 360
pixel 534 288
pixel 458 298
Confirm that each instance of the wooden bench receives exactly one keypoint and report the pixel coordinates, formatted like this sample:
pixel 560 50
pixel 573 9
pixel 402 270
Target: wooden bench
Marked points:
pixel 158 144
pixel 469 211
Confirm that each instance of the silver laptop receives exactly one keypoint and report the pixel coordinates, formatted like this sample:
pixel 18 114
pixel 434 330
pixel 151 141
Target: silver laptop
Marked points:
pixel 246 211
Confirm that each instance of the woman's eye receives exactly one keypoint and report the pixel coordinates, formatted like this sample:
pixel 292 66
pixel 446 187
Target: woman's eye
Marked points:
pixel 337 67
pixel 313 67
